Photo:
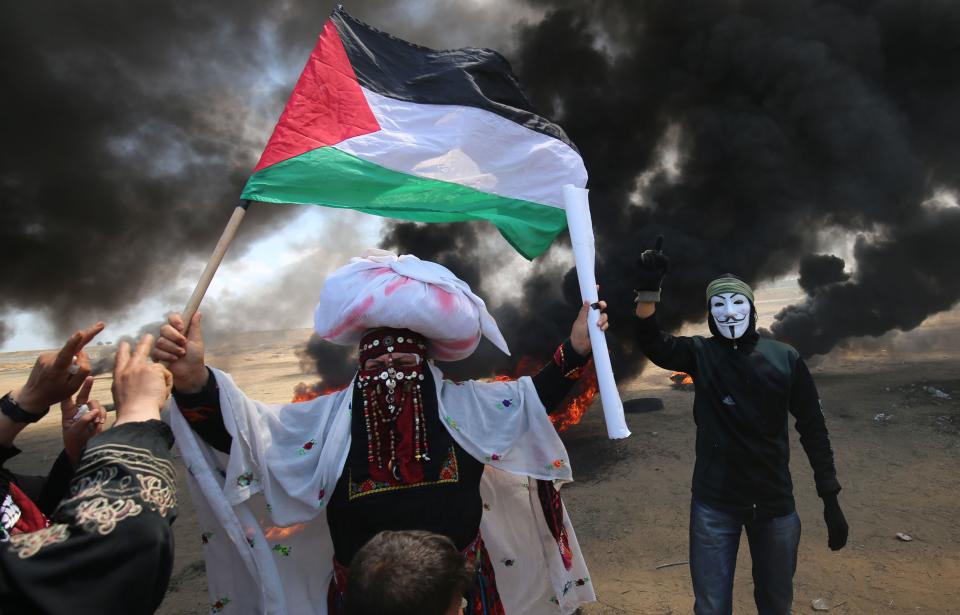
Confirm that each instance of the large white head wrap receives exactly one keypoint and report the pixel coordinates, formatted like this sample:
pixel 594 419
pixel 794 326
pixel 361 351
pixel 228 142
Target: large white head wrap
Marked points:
pixel 381 289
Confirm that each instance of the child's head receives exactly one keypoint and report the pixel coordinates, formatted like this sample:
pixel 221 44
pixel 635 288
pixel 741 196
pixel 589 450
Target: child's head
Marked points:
pixel 402 573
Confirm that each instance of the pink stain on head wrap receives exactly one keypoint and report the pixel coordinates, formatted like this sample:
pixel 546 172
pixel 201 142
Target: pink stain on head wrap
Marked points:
pixel 460 344
pixel 376 272
pixel 350 322
pixel 445 350
pixel 395 285
pixel 446 301
pixel 383 290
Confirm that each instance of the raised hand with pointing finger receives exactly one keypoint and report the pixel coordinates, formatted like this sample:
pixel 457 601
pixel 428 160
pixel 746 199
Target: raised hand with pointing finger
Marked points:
pixel 106 505
pixel 57 374
pixel 140 388
pixel 652 266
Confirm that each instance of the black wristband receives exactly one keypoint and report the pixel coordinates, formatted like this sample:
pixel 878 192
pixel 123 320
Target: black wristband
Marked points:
pixel 17 414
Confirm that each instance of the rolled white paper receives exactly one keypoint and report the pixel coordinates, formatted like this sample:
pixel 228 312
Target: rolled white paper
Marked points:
pixel 581 239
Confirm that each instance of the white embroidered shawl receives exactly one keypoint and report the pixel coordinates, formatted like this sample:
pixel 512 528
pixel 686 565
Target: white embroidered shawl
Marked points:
pixel 263 508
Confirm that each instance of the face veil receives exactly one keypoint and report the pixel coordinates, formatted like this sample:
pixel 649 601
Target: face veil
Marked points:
pixel 390 383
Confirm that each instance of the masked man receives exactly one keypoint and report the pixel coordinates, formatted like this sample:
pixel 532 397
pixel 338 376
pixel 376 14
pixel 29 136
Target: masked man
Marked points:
pixel 306 485
pixel 745 386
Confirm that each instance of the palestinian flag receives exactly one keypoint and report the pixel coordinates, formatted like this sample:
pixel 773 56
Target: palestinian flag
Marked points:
pixel 383 126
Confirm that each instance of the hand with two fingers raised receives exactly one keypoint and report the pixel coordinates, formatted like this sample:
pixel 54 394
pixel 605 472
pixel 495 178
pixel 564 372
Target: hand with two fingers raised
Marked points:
pixel 140 388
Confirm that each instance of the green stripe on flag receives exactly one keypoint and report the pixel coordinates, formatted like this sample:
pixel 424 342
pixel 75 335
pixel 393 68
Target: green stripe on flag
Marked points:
pixel 330 177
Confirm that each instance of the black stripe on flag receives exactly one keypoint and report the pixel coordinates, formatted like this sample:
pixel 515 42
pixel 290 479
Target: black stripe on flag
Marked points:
pixel 472 77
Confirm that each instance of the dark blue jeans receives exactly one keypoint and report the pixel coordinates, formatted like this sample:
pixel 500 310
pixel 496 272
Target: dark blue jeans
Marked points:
pixel 714 541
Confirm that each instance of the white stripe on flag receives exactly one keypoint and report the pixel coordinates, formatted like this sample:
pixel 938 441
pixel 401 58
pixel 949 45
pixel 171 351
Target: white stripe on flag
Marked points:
pixel 468 146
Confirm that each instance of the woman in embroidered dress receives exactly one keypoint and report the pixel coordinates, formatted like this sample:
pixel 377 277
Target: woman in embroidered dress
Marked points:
pixel 406 467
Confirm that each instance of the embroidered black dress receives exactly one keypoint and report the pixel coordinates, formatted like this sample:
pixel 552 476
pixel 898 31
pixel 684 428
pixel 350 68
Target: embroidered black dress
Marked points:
pixel 109 545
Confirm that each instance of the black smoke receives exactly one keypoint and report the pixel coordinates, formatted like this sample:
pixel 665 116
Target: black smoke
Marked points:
pixel 129 129
pixel 124 145
pixel 789 122
pixel 820 270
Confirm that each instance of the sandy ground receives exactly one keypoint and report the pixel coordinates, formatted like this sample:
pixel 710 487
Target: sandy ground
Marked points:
pixel 631 497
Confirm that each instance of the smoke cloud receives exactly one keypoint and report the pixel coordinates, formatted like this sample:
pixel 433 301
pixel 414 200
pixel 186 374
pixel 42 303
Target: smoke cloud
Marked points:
pixel 747 132
pixel 130 129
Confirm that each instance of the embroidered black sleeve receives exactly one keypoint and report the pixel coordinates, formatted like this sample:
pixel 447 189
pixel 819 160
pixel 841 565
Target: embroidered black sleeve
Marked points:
pixel 56 484
pixel 558 376
pixel 203 414
pixel 109 548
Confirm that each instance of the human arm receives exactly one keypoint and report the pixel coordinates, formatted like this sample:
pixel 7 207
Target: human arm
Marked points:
pixel 194 386
pixel 665 350
pixel 88 561
pixel 555 379
pixel 77 432
pixel 202 411
pixel 671 352
pixel 55 376
pixel 810 423
pixel 109 547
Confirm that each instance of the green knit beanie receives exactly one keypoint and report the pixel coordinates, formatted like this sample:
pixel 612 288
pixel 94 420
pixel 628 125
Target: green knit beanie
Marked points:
pixel 729 284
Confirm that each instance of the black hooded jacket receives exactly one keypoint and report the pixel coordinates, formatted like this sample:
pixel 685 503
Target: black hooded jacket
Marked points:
pixel 745 389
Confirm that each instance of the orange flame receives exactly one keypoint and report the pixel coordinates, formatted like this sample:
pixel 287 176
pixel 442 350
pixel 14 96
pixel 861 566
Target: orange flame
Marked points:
pixel 579 400
pixel 281 533
pixel 526 366
pixel 575 404
pixel 305 392
pixel 681 378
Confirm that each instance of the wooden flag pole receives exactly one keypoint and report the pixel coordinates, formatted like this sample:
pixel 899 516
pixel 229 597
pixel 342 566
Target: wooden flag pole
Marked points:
pixel 214 263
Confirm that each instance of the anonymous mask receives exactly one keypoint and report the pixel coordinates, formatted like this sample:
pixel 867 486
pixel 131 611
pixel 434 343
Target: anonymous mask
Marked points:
pixel 731 314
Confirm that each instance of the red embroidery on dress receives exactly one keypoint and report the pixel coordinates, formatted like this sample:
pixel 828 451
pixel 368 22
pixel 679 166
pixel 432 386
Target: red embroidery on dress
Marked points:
pixel 449 473
pixel 560 360
pixel 198 414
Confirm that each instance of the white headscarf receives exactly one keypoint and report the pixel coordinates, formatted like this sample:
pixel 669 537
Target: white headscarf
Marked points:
pixel 381 289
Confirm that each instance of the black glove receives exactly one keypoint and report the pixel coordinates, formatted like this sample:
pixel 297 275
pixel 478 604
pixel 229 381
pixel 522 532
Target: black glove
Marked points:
pixel 651 267
pixel 837 528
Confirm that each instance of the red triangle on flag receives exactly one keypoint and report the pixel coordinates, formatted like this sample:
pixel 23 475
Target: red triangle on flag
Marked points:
pixel 326 107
